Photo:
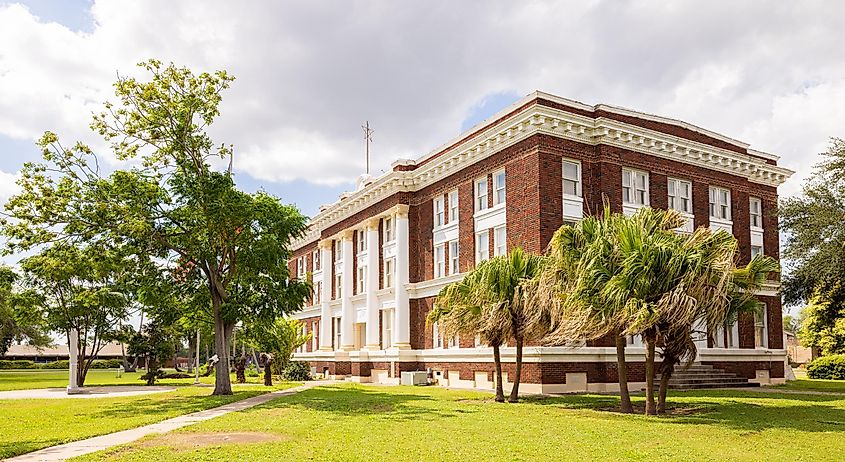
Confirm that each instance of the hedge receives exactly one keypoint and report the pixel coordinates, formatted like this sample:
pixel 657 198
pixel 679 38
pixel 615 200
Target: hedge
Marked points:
pixel 17 364
pixel 827 367
pixel 64 364
pixel 297 371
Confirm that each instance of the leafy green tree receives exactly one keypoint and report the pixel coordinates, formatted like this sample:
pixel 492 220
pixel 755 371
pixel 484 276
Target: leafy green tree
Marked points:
pixel 278 339
pixel 81 290
pixel 155 342
pixel 490 301
pixel 823 327
pixel 791 324
pixel 173 206
pixel 19 321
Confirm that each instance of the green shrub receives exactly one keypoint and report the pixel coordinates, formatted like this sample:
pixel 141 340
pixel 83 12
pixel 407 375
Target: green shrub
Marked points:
pixel 297 371
pixel 106 364
pixel 252 371
pixel 17 364
pixel 174 375
pixel 827 367
pixel 64 364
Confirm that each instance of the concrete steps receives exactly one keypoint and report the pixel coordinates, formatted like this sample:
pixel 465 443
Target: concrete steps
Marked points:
pixel 700 376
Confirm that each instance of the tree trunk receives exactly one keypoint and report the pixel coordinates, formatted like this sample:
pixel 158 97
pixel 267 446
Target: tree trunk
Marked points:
pixel 666 370
pixel 222 331
pixel 497 359
pixel 622 372
pixel 268 372
pixel 518 373
pixel 176 359
pixel 152 370
pixel 650 407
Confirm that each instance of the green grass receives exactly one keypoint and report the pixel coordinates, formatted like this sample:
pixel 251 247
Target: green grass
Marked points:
pixel 360 422
pixel 29 379
pixel 835 386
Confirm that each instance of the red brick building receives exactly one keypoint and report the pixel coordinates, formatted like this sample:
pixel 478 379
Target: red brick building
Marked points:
pixel 379 255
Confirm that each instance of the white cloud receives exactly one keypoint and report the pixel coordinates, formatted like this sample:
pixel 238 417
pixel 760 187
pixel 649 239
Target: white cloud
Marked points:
pixel 308 74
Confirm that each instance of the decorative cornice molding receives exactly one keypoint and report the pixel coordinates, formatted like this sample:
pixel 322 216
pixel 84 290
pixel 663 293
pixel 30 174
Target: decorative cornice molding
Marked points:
pixel 554 122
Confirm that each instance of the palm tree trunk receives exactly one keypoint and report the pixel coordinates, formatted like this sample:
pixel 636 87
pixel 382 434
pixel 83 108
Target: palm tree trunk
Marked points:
pixel 666 370
pixel 515 390
pixel 650 407
pixel 497 359
pixel 622 371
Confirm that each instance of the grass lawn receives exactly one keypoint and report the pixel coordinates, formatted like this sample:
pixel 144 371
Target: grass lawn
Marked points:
pixel 361 422
pixel 29 379
pixel 834 386
pixel 30 424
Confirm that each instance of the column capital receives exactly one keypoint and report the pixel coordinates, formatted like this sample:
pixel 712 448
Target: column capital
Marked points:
pixel 325 244
pixel 346 234
pixel 402 211
pixel 372 223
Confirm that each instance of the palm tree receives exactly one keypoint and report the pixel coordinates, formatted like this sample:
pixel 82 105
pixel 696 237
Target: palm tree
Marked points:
pixel 490 301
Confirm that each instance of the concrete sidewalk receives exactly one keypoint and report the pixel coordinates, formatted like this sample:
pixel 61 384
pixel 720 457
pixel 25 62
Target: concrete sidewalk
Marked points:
pixel 87 392
pixel 99 443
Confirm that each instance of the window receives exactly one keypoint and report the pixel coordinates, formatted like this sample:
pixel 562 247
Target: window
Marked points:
pixel 388 273
pixel 436 336
pixel 571 178
pixel 439 212
pixel 338 251
pixel 482 246
pixel 634 187
pixel 388 229
pixel 454 261
pixel 336 322
pixel 453 206
pixel 500 244
pixel 439 260
pixel 680 195
pixel 761 337
pixel 362 240
pixel 338 285
pixel 720 203
pixel 453 342
pixel 386 329
pixel 300 267
pixel 481 194
pixel 499 188
pixel 756 250
pixel 755 211
pixel 315 341
pixel 362 279
pixel 318 292
pixel 315 258
pixel 303 331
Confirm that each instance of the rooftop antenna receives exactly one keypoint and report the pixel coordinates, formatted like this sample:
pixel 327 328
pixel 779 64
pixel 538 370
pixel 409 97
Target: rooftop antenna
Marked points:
pixel 368 138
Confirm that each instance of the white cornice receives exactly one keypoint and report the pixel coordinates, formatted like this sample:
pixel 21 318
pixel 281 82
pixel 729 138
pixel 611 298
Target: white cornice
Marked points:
pixel 554 122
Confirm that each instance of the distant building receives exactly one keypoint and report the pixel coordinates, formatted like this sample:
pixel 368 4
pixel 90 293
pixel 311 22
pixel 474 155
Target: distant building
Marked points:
pixel 57 353
pixel 797 353
pixel 379 255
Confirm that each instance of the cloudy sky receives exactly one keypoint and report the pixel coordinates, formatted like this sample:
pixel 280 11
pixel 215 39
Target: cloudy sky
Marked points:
pixel 310 73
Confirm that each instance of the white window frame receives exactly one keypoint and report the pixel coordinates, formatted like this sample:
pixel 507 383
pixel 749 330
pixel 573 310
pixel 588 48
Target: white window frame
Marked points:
pixel 482 253
pixel 454 257
pixel 436 336
pixel 389 264
pixel 439 204
pixel 440 260
pixel 314 336
pixel 756 250
pixel 338 251
pixel 336 326
pixel 338 286
pixel 576 181
pixel 362 279
pixel 633 193
pixel 318 289
pixel 720 210
pixel 500 241
pixel 763 323
pixel 499 190
pixel 755 212
pixel 300 267
pixel 362 240
pixel 481 199
pixel 453 206
pixel 453 342
pixel 389 230
pixel 386 329
pixel 676 200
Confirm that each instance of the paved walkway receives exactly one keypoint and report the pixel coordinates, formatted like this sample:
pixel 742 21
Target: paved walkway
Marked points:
pixel 87 392
pixel 99 443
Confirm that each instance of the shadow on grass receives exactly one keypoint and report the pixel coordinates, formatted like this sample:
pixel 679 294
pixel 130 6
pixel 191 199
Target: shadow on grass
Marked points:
pixel 731 409
pixel 170 405
pixel 348 401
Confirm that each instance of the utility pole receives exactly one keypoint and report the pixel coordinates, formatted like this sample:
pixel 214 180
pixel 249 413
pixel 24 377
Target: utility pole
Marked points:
pixel 368 138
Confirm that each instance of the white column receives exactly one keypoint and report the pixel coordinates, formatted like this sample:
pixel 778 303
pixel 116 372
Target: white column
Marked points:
pixel 73 352
pixel 372 284
pixel 347 313
pixel 402 319
pixel 325 333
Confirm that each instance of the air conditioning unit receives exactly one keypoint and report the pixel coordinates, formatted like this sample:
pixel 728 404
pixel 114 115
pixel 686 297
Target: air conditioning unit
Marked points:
pixel 414 378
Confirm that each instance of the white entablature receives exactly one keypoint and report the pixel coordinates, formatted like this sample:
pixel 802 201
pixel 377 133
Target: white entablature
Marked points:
pixel 555 122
